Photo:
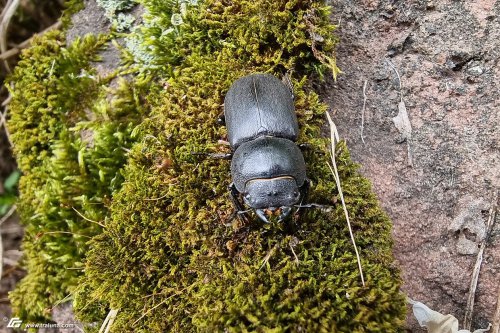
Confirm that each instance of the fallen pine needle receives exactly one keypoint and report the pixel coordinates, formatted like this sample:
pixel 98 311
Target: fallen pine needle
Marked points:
pixel 334 136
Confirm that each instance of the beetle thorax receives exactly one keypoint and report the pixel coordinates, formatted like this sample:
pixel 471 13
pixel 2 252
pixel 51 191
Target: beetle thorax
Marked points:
pixel 271 192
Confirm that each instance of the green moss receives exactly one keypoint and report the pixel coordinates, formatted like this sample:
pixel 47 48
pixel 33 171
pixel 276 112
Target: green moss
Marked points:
pixel 164 256
pixel 70 7
pixel 70 149
pixel 176 267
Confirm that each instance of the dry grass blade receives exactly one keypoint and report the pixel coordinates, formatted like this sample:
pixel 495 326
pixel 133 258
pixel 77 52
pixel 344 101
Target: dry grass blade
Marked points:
pixel 268 256
pixel 110 318
pixel 477 267
pixel 7 14
pixel 334 136
pixel 87 219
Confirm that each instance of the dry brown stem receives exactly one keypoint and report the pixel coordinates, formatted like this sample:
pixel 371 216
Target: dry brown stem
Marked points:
pixel 477 267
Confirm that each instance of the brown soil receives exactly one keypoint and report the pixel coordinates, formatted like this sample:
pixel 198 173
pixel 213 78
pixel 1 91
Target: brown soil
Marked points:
pixel 447 54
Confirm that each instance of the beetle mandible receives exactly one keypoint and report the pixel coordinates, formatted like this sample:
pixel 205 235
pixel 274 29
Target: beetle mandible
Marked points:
pixel 267 166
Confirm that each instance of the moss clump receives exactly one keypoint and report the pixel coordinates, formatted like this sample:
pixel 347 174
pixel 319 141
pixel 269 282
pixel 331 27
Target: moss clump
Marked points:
pixel 176 267
pixel 70 149
pixel 164 256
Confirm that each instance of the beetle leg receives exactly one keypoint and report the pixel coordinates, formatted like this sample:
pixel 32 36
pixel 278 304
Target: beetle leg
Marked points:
pixel 304 191
pixel 286 80
pixel 285 213
pixel 304 146
pixel 240 209
pixel 221 119
pixel 215 156
pixel 261 215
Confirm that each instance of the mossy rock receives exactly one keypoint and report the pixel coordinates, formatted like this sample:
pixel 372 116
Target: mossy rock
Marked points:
pixel 111 186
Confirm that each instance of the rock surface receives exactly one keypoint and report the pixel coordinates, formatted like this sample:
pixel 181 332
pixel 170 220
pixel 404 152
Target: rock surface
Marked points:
pixel 446 54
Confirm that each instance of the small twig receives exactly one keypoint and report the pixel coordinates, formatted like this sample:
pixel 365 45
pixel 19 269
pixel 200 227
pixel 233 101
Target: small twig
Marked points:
pixel 8 215
pixel 14 265
pixel 15 50
pixel 7 14
pixel 9 53
pixel 2 220
pixel 7 100
pixel 477 267
pixel 334 136
pixel 363 111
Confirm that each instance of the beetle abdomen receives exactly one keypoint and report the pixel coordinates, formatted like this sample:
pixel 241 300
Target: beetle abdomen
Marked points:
pixel 256 105
pixel 267 157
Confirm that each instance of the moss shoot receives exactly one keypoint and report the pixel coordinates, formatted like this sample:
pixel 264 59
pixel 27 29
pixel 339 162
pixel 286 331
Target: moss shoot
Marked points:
pixel 111 186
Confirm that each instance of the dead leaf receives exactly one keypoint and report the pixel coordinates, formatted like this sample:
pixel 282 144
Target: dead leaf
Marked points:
pixel 436 322
pixel 402 121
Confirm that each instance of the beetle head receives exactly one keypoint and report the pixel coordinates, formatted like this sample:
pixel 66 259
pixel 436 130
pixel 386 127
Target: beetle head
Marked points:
pixel 272 196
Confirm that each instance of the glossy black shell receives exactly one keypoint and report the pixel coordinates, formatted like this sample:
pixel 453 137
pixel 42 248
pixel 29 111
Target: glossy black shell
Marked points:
pixel 267 157
pixel 257 105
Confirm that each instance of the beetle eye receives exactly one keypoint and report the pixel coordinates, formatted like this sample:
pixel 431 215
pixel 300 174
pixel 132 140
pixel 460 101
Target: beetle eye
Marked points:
pixel 295 194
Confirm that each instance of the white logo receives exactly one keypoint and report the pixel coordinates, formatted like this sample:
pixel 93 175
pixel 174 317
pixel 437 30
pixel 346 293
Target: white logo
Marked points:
pixel 14 323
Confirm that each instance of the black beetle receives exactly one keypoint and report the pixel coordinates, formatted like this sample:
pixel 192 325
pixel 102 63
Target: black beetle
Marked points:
pixel 267 166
